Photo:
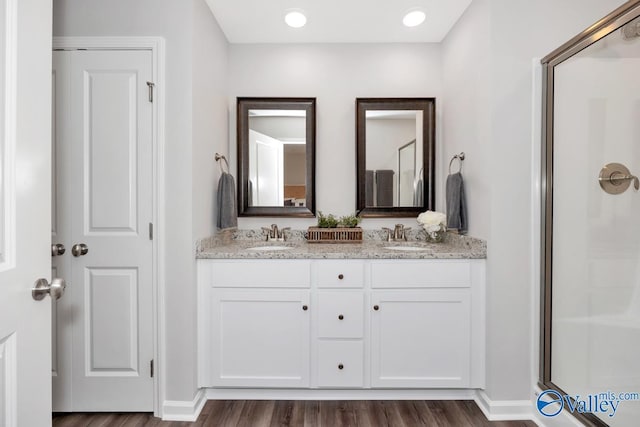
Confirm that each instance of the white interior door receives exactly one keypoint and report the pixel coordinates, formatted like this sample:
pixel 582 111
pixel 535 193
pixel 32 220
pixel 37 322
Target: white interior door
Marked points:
pixel 25 183
pixel 104 204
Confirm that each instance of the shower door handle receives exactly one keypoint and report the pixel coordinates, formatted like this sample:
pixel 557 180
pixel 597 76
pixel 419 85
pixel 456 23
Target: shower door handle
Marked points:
pixel 618 178
pixel 615 178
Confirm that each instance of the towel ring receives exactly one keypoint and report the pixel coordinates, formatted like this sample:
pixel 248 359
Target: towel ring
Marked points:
pixel 221 157
pixel 460 158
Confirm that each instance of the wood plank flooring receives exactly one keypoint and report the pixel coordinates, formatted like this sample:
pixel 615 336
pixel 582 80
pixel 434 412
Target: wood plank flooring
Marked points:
pixel 300 413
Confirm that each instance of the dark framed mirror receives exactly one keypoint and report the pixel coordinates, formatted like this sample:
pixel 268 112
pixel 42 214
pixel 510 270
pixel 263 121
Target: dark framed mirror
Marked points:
pixel 276 156
pixel 395 142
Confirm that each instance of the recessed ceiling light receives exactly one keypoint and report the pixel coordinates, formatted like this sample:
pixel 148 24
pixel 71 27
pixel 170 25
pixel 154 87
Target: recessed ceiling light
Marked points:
pixel 414 18
pixel 295 19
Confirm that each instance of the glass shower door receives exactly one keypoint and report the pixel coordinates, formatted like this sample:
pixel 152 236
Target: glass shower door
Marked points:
pixel 595 257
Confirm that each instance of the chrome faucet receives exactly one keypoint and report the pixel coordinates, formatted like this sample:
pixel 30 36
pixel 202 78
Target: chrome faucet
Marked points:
pixel 274 234
pixel 398 233
pixel 389 233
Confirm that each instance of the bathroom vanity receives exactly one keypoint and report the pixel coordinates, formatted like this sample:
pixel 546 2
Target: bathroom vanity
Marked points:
pixel 374 315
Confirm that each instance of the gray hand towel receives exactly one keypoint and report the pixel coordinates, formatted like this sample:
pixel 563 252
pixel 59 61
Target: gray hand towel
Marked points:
pixel 368 188
pixel 456 204
pixel 227 210
pixel 384 187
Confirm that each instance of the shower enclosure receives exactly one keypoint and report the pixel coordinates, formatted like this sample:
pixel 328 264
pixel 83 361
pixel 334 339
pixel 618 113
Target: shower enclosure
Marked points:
pixel 590 343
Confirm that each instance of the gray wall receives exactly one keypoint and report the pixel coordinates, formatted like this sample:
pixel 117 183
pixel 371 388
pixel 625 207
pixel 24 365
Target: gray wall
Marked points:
pixel 488 62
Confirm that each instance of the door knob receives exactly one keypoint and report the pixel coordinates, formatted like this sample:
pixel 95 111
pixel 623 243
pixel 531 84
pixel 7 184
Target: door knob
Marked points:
pixel 79 249
pixel 42 288
pixel 57 249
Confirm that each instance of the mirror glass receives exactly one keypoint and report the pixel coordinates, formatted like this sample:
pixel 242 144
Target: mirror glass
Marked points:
pixel 395 139
pixel 276 151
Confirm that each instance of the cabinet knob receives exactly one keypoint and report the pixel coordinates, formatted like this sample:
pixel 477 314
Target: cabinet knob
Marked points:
pixel 341 366
pixel 376 307
pixel 341 317
pixel 340 276
pixel 305 308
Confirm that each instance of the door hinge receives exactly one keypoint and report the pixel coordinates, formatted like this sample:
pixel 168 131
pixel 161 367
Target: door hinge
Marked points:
pixel 150 231
pixel 151 86
pixel 151 367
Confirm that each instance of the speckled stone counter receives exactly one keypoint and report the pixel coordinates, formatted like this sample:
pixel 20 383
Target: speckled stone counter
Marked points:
pixel 251 244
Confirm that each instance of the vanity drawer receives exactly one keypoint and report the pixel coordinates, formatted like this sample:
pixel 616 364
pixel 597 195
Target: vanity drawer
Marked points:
pixel 261 274
pixel 340 274
pixel 421 274
pixel 340 364
pixel 340 314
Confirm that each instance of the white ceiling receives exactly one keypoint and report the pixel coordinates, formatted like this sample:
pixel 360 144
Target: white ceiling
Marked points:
pixel 335 21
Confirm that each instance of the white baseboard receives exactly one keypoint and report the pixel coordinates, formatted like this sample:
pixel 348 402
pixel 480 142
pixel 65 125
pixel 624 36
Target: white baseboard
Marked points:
pixel 337 394
pixel 494 410
pixel 178 410
pixel 504 410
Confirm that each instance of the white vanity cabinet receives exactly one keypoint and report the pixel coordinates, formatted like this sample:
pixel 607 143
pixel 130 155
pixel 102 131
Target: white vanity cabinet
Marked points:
pixel 261 338
pixel 341 324
pixel 421 317
pixel 420 339
pixel 254 323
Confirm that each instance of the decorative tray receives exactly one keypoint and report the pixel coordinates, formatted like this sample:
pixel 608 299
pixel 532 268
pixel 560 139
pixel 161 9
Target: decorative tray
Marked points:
pixel 334 235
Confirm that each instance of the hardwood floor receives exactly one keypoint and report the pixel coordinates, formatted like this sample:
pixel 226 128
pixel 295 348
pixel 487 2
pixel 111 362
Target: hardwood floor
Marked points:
pixel 269 413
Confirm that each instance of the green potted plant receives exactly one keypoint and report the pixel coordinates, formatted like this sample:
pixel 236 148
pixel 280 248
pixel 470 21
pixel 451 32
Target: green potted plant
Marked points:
pixel 349 221
pixel 328 221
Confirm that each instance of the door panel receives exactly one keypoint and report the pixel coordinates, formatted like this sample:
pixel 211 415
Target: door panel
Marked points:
pixel 25 211
pixel 110 139
pixel 111 322
pixel 105 202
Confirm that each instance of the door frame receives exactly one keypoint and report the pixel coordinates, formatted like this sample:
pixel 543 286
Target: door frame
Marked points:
pixel 156 45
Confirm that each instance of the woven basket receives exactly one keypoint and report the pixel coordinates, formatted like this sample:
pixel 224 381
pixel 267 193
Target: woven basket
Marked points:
pixel 334 235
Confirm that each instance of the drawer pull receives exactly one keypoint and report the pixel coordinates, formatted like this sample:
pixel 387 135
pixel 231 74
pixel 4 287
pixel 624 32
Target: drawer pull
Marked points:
pixel 340 276
pixel 340 317
pixel 341 366
pixel 376 307
pixel 305 308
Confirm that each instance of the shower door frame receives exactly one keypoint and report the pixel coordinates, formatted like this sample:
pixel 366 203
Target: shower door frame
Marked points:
pixel 610 23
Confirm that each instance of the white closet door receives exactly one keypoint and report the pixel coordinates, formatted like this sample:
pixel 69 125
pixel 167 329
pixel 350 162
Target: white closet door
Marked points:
pixel 104 173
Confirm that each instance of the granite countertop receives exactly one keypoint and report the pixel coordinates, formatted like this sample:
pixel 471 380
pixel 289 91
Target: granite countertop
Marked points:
pixel 238 244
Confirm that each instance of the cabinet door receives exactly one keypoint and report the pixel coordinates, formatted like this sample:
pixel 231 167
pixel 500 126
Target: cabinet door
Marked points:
pixel 260 338
pixel 420 339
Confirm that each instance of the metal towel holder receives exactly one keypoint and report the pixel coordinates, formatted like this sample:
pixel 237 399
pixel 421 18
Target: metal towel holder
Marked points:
pixel 221 157
pixel 460 158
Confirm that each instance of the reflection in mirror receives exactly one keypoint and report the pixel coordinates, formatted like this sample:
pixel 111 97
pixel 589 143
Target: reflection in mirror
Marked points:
pixel 277 158
pixel 409 187
pixel 395 139
pixel 276 150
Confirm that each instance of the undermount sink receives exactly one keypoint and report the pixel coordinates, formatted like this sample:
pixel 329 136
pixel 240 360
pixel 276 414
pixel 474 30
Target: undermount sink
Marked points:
pixel 407 248
pixel 269 248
